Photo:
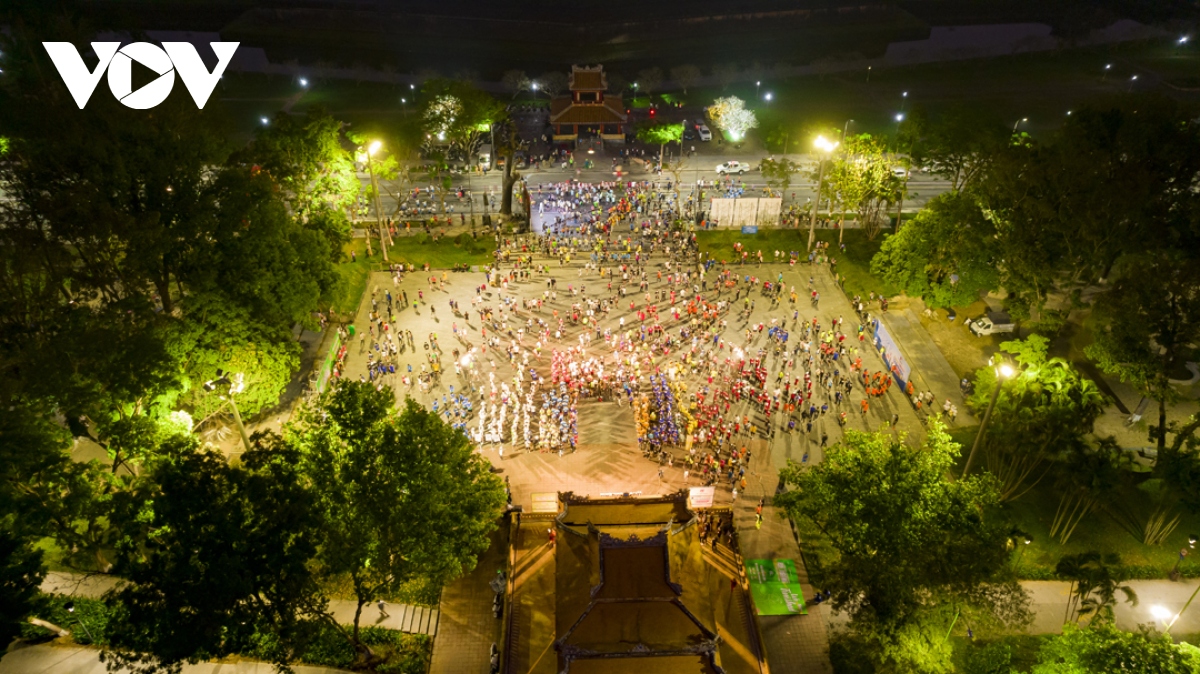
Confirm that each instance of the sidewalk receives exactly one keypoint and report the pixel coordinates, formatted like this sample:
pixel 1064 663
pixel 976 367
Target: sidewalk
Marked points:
pixel 469 628
pixel 401 617
pixel 55 659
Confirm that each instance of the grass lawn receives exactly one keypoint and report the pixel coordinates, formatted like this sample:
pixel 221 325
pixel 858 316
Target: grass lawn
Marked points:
pixel 417 249
pixel 854 264
pixel 444 253
pixel 354 276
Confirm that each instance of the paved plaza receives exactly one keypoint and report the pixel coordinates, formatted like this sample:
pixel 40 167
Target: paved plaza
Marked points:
pixel 607 459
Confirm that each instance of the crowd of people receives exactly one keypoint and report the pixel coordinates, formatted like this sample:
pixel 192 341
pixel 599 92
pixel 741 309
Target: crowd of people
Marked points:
pixel 611 303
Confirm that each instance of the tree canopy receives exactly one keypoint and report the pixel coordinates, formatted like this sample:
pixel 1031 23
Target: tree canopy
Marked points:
pixel 913 547
pixel 942 255
pixel 426 508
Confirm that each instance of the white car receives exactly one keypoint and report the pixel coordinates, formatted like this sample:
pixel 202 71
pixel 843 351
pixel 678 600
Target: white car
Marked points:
pixel 732 167
pixel 899 171
pixel 703 132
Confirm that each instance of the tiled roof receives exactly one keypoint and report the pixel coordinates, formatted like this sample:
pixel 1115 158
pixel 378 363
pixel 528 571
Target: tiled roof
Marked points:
pixel 565 111
pixel 590 79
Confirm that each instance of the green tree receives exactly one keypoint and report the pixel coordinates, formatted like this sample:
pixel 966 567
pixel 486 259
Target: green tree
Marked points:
pixel 424 508
pixel 1108 650
pixel 1044 409
pixel 685 76
pixel 218 559
pixel 1149 319
pixel 779 172
pixel 860 177
pixel 458 113
pixel 1107 187
pixel 307 156
pixel 957 146
pixel 650 80
pixel 21 574
pixel 660 134
pixel 943 255
pixel 1095 581
pixel 914 548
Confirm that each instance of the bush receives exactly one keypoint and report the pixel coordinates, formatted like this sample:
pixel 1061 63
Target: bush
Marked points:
pixel 402 653
pixel 93 614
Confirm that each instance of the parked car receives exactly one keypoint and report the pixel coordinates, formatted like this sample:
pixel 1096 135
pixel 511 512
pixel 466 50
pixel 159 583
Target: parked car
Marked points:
pixel 991 324
pixel 705 134
pixel 520 159
pixel 899 171
pixel 689 134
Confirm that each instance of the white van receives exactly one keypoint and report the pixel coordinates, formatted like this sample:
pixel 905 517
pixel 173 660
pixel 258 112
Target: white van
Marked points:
pixel 485 156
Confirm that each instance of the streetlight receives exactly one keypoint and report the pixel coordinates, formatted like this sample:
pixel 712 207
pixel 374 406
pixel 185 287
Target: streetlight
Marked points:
pixel 1003 371
pixel 70 606
pixel 1107 67
pixel 304 82
pixel 1131 82
pixel 1183 40
pixel 404 105
pixel 236 386
pixel 846 127
pixel 768 97
pixel 757 85
pixel 1021 121
pixel 823 145
pixel 264 121
pixel 903 100
pixel 371 150
pixel 899 117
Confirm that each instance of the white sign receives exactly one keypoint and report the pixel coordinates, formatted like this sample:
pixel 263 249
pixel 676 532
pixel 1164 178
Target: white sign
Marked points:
pixel 701 497
pixel 172 57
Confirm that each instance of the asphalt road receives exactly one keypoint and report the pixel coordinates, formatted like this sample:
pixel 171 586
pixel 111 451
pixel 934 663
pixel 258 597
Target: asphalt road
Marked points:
pixel 921 187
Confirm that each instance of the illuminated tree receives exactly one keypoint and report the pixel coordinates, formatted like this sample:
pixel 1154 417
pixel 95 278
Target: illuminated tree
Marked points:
pixel 730 115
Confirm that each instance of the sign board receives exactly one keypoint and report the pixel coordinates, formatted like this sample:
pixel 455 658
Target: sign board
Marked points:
pixel 775 587
pixel 890 351
pixel 745 211
pixel 545 502
pixel 701 497
pixel 749 229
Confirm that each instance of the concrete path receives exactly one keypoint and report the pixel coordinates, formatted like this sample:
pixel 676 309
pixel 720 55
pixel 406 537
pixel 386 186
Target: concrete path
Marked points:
pixel 931 370
pixel 56 659
pixel 468 630
pixel 402 617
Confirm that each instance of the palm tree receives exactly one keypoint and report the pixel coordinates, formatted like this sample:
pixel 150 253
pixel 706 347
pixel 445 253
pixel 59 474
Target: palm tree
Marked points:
pixel 1095 583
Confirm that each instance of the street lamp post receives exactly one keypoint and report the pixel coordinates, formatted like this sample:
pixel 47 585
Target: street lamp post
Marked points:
pixel 846 127
pixel 371 150
pixel 1003 371
pixel 1107 67
pixel 236 386
pixel 826 146
pixel 1019 122
pixel 757 86
pixel 1132 81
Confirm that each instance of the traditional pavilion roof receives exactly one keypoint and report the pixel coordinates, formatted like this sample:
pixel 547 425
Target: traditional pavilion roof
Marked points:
pixel 587 78
pixel 563 110
pixel 619 610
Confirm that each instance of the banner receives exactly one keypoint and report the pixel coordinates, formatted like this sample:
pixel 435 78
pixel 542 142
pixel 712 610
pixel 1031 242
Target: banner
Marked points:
pixel 545 502
pixel 701 497
pixel 775 587
pixel 749 229
pixel 890 352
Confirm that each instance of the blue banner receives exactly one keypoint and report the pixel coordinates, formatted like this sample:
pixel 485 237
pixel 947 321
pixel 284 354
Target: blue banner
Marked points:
pixel 750 229
pixel 890 352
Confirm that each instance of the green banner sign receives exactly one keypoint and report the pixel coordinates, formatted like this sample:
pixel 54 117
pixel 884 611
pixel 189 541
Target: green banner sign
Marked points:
pixel 775 587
